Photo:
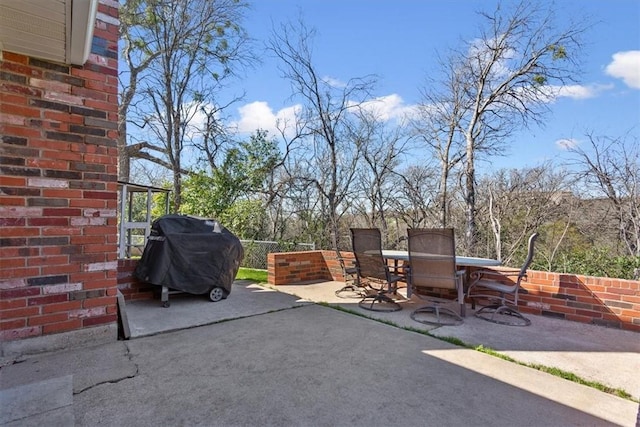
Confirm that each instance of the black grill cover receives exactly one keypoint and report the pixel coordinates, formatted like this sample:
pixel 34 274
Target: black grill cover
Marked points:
pixel 190 254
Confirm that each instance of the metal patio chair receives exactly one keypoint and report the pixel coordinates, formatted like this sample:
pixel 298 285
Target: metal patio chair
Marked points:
pixel 373 271
pixel 501 289
pixel 352 288
pixel 432 267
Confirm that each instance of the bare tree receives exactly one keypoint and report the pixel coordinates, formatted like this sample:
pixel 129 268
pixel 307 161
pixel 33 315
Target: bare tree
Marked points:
pixel 179 53
pixel 503 81
pixel 327 155
pixel 436 124
pixel 518 202
pixel 137 56
pixel 416 195
pixel 276 193
pixel 382 148
pixel 210 136
pixel 611 167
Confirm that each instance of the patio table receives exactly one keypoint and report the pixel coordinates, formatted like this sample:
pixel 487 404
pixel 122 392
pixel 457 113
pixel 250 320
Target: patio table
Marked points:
pixel 461 261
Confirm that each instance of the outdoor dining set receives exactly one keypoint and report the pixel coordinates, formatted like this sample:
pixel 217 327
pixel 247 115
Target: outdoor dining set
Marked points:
pixel 433 272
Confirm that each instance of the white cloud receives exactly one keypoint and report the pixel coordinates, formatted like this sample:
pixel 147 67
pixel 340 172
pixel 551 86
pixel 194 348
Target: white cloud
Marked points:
pixel 626 66
pixel 197 118
pixel 575 91
pixel 259 115
pixel 388 107
pixel 485 50
pixel 567 143
pixel 582 92
pixel 337 83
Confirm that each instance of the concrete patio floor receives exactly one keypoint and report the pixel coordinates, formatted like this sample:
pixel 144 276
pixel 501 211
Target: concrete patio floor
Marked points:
pixel 594 353
pixel 275 357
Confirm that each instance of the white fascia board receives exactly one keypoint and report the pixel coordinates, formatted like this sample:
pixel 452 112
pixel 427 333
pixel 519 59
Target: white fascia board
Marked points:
pixel 80 37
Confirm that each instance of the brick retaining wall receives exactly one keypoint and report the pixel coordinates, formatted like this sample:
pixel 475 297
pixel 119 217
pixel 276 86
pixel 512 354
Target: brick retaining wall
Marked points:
pixel 597 300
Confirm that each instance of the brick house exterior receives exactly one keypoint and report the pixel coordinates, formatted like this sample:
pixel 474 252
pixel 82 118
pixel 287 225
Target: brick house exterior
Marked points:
pixel 58 196
pixel 59 272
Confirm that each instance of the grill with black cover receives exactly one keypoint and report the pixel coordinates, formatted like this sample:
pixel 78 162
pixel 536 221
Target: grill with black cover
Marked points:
pixel 192 255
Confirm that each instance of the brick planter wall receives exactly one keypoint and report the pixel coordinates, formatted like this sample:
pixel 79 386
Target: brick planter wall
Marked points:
pixel 596 300
pixel 58 197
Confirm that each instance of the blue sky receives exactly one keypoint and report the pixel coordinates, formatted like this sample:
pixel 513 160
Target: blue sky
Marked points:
pixel 398 40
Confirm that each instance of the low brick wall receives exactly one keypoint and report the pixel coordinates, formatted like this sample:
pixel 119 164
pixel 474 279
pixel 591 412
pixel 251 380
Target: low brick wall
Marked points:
pixel 285 268
pixel 597 300
pixel 128 285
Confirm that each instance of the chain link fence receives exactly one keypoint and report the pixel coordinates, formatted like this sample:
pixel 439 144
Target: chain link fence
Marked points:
pixel 255 251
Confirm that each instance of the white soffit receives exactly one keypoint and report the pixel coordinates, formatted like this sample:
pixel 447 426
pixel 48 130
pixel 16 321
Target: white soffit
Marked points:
pixel 55 30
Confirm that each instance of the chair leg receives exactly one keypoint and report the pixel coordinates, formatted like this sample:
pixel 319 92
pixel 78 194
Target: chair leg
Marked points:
pixel 502 314
pixel 349 291
pixel 379 302
pixel 353 288
pixel 443 316
pixel 463 307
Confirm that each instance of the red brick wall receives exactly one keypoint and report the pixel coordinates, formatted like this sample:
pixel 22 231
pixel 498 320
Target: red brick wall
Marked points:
pixel 296 267
pixel 129 286
pixel 333 264
pixel 597 300
pixel 58 189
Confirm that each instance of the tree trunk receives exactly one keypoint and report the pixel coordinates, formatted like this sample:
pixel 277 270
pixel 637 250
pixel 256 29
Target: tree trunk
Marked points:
pixel 444 176
pixel 124 162
pixel 495 225
pixel 470 200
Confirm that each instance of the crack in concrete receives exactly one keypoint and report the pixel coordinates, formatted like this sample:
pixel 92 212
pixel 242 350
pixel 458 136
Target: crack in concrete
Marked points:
pixel 129 356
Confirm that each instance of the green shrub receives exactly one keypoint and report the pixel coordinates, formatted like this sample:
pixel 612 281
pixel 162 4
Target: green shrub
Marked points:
pixel 597 262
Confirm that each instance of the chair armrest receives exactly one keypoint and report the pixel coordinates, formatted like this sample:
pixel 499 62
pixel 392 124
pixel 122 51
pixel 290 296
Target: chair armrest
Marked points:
pixel 492 279
pixel 477 275
pixel 351 270
pixel 393 278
